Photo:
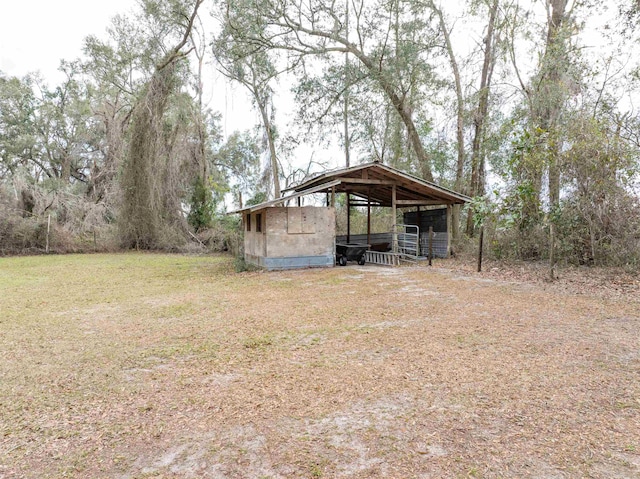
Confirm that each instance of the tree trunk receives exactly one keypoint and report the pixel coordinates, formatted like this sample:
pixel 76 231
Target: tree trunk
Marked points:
pixel 65 168
pixel 554 61
pixel 545 105
pixel 555 48
pixel 482 110
pixel 459 118
pixel 405 116
pixel 347 152
pixel 200 158
pixel 272 147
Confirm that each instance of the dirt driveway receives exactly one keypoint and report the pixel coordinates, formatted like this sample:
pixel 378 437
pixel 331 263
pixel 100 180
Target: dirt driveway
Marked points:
pixel 133 366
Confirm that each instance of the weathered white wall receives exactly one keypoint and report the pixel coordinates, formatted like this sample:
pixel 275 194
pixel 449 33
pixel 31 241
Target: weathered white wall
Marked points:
pixel 291 237
pixel 300 231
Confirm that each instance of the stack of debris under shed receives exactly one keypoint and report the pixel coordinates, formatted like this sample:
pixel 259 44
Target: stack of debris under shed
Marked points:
pixel 277 236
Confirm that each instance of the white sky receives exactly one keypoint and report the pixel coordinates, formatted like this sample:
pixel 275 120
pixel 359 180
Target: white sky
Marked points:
pixel 36 34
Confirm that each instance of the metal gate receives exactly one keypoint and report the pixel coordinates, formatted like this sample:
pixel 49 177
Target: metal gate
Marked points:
pixel 406 242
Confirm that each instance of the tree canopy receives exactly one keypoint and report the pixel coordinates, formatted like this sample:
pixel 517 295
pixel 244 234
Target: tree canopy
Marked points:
pixel 529 107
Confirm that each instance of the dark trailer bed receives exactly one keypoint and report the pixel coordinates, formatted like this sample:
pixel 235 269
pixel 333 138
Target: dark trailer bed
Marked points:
pixel 350 252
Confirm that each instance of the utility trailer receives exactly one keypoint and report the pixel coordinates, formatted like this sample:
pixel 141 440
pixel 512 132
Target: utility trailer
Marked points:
pixel 350 252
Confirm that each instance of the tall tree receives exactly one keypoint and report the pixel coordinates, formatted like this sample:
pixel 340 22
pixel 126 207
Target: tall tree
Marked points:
pixel 460 113
pixel 118 67
pixel 546 95
pixel 254 69
pixel 553 89
pixel 318 29
pixel 150 203
pixel 482 109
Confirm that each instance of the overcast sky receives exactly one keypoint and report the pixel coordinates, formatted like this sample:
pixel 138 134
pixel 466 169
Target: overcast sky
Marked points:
pixel 37 34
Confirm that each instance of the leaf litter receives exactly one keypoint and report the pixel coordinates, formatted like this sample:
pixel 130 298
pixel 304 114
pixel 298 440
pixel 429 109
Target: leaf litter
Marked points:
pixel 423 372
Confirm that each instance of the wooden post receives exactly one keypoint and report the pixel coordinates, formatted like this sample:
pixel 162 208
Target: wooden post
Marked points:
pixel 552 252
pixel 480 240
pixel 348 217
pixel 419 223
pixel 394 214
pixel 369 215
pixel 48 230
pixel 449 226
pixel 333 196
pixel 430 244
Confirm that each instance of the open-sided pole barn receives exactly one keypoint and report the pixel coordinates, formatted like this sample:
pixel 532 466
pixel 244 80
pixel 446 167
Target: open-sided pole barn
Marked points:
pixel 284 237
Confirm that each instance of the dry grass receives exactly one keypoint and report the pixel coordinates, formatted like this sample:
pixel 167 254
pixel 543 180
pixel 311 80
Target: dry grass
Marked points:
pixel 133 366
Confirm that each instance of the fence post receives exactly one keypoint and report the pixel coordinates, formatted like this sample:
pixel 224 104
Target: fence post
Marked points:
pixel 552 251
pixel 430 244
pixel 480 240
pixel 48 230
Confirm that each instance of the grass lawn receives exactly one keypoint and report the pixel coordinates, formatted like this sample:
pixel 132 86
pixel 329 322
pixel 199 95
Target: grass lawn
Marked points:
pixel 146 365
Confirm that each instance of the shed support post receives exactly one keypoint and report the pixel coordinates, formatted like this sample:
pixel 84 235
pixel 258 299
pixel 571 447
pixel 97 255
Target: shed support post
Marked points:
pixel 333 196
pixel 369 215
pixel 419 223
pixel 348 217
pixel 394 215
pixel 449 226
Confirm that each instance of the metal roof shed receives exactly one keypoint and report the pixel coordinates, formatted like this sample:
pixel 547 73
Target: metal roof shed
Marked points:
pixel 281 237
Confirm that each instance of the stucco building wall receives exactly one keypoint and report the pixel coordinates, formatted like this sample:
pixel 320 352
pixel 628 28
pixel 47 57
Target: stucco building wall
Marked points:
pixel 291 237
